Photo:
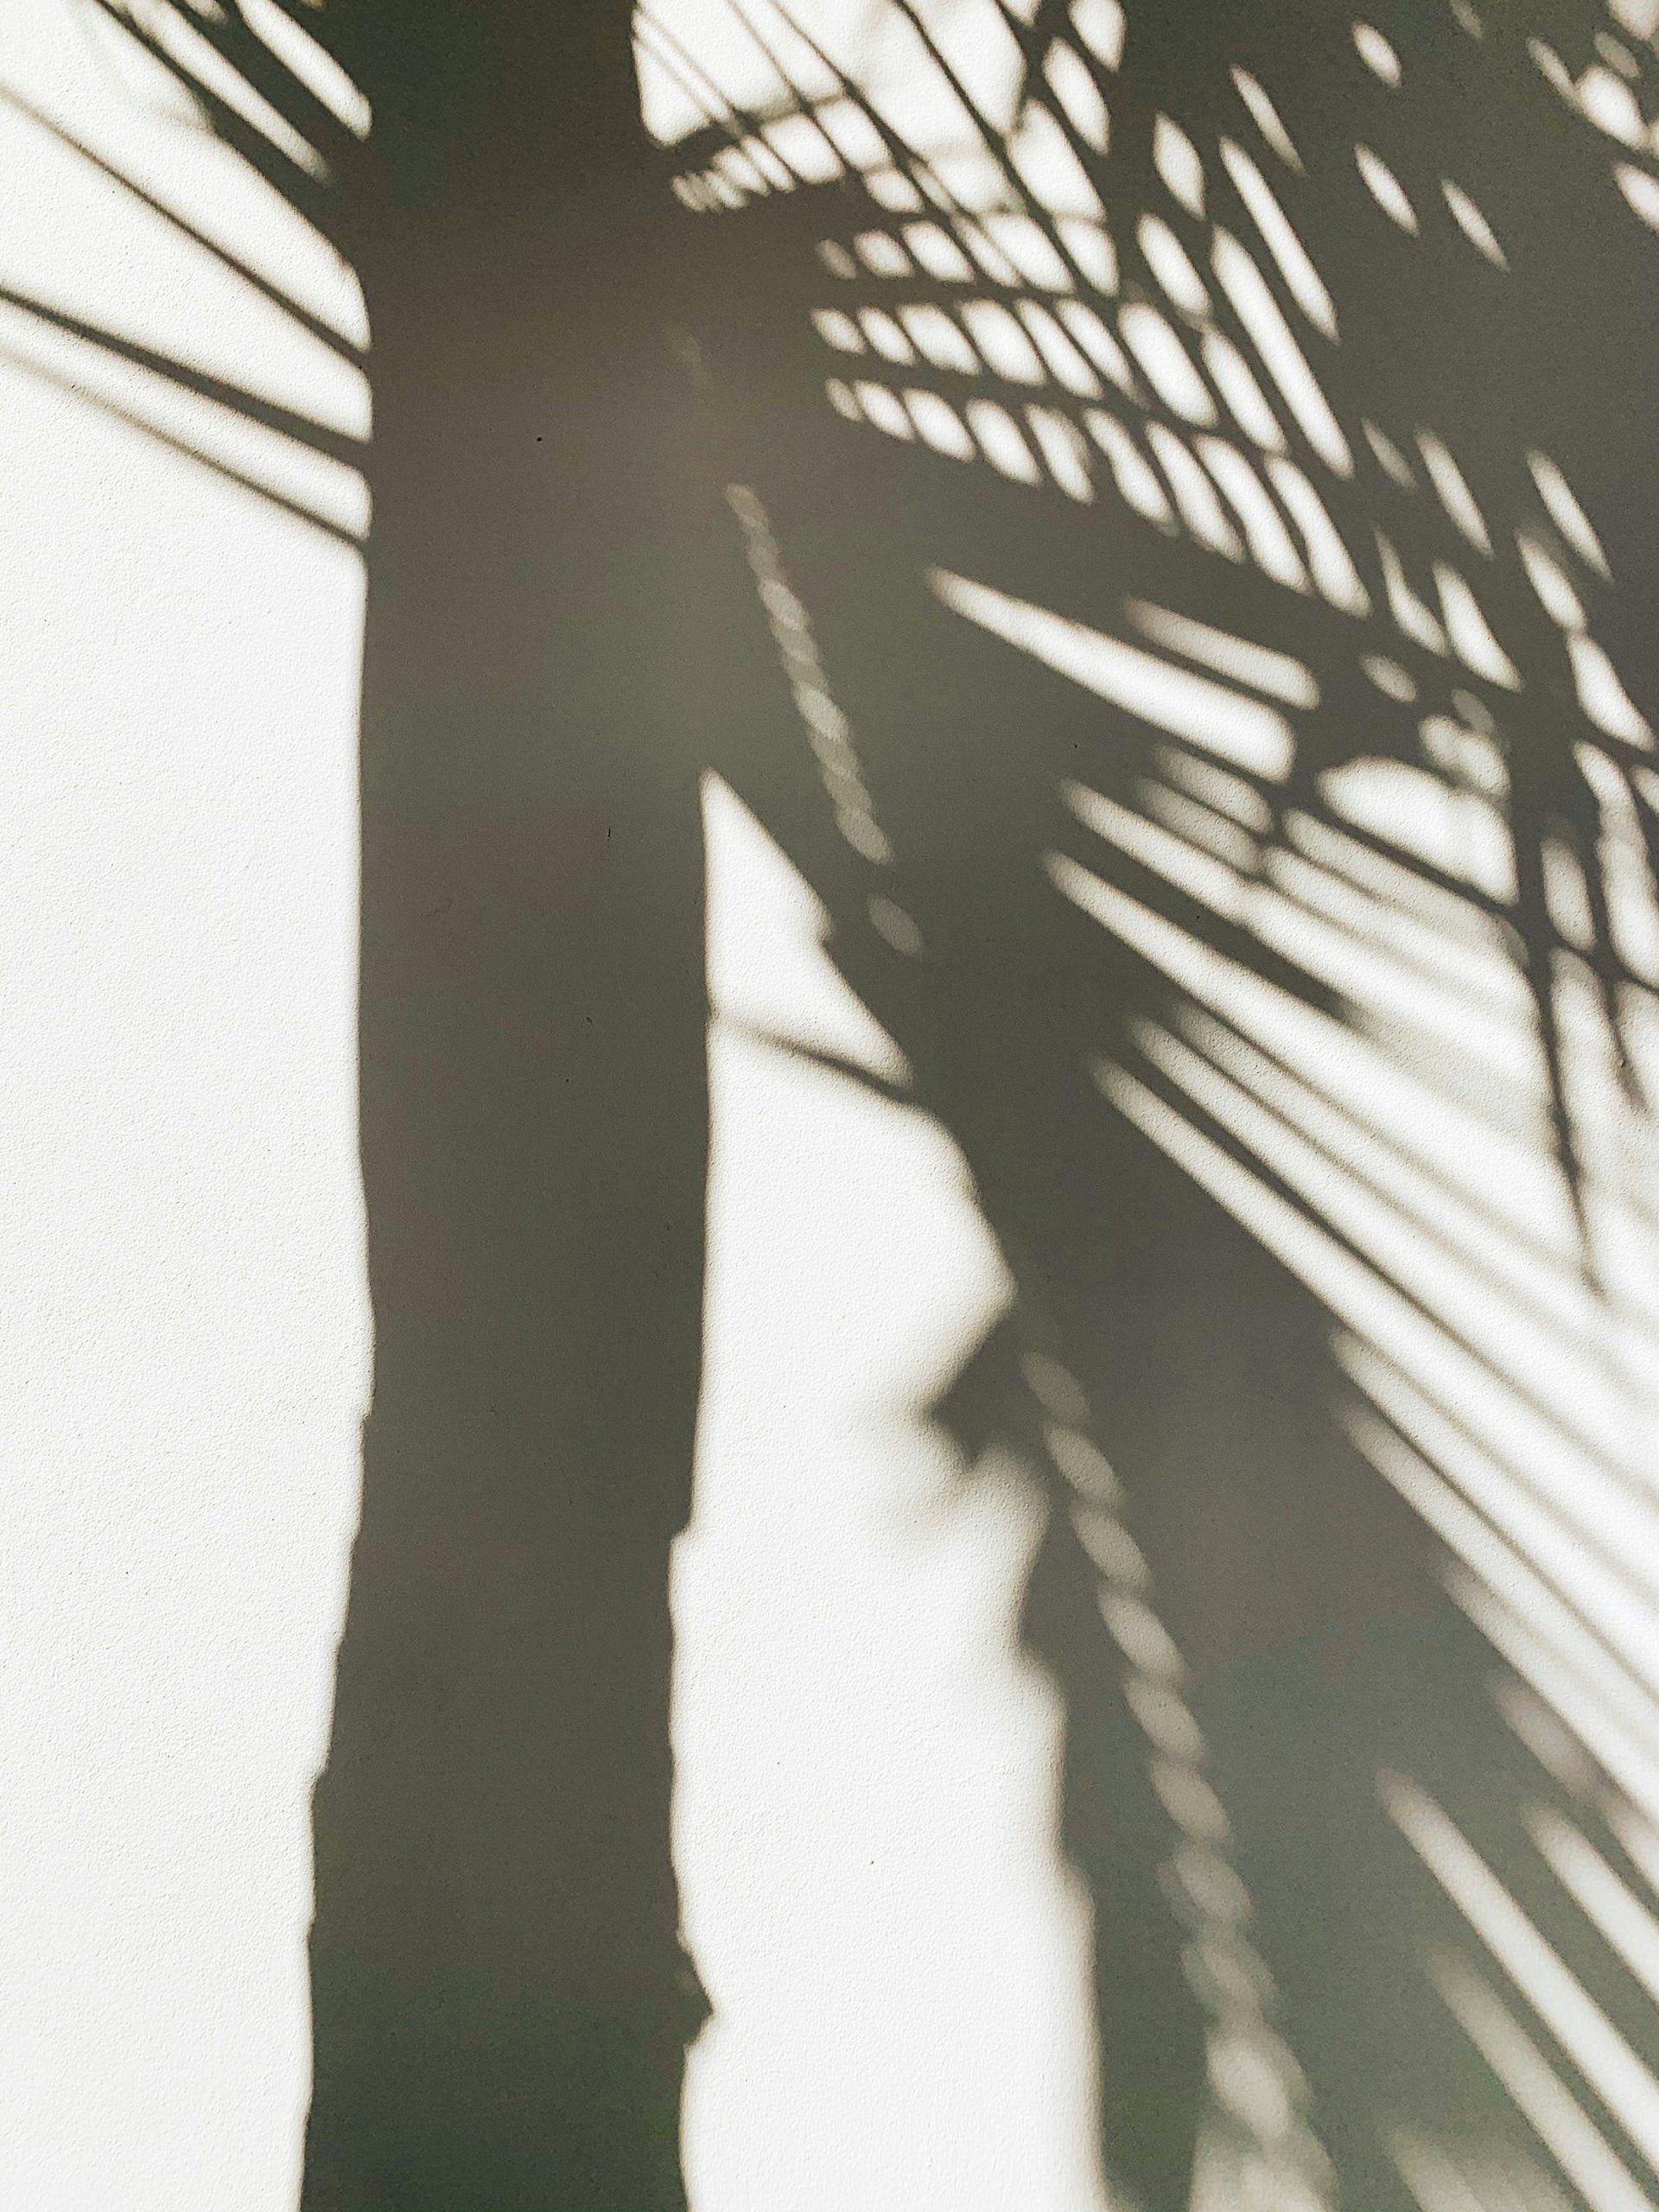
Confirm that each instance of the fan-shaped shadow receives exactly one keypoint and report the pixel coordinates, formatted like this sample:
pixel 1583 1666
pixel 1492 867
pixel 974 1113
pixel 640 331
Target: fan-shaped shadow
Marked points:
pixel 1207 855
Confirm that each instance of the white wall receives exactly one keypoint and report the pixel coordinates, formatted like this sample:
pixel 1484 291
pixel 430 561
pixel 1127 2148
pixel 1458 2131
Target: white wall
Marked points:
pixel 186 1336
pixel 865 1826
pixel 185 1331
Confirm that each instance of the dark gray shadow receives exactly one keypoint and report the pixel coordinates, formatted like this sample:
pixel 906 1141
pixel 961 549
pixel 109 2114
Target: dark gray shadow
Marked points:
pixel 562 637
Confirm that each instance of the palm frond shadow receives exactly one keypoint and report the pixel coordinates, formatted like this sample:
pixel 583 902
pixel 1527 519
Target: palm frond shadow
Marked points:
pixel 1196 517
pixel 1122 549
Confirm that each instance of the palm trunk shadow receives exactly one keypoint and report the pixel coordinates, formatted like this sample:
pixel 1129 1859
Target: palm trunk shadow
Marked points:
pixel 501 2004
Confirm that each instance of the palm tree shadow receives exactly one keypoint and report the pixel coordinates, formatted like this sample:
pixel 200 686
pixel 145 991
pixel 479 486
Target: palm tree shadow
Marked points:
pixel 500 2001
pixel 1284 1581
pixel 1256 1595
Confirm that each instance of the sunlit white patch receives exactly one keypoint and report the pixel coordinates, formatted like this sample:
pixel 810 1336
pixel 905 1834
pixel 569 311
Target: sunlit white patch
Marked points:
pixel 852 131
pixel 841 399
pixel 1386 189
pixel 194 57
pixel 1533 1511
pixel 935 1716
pixel 1305 286
pixel 1260 666
pixel 836 258
pixel 1083 1466
pixel 1001 442
pixel 1064 363
pixel 1610 104
pixel 1250 2087
pixel 1029 250
pixel 973 179
pixel 1265 534
pixel 1469 631
pixel 938 253
pixel 1335 577
pixel 1353 1188
pixel 1607 1900
pixel 1055 1388
pixel 803 147
pixel 1326 1258
pixel 1193 493
pixel 1094 339
pixel 864 834
pixel 1061 444
pixel 1632 903
pixel 1473 225
pixel 1176 159
pixel 1041 157
pixel 1219 790
pixel 1408 611
pixel 1211 1881
pixel 1002 345
pixel 740 173
pixel 1389 458
pixel 1640 191
pixel 1092 253
pixel 668 108
pixel 1265 118
pixel 1230 374
pixel 1078 95
pixel 1245 286
pixel 1200 826
pixel 315 68
pixel 1623 2080
pixel 1190 1801
pixel 1639 17
pixel 1458 835
pixel 1553 70
pixel 1389 677
pixel 940 425
pixel 1573 2139
pixel 1565 895
pixel 1601 694
pixel 882 253
pixel 766 158
pixel 1158 1704
pixel 1356 1078
pixel 890 188
pixel 1605 1707
pixel 1555 594
pixel 1166 362
pixel 1168 260
pixel 1565 511
pixel 886 337
pixel 1137 479
pixel 938 339
pixel 1470 757
pixel 1547 1737
pixel 1455 496
pixel 884 410
pixel 1100 24
pixel 1210 715
pixel 1376 53
pixel 1229 1974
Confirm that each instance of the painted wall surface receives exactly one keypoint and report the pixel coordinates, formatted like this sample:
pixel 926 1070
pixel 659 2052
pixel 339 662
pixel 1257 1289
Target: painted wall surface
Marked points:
pixel 185 1335
pixel 867 1768
pixel 1317 1398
